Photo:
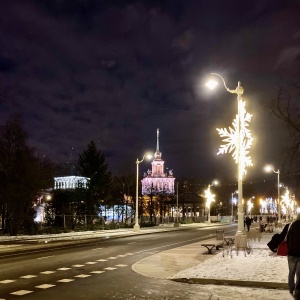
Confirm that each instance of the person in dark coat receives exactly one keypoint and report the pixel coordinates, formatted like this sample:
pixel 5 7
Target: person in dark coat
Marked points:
pixel 293 244
pixel 248 223
pixel 277 238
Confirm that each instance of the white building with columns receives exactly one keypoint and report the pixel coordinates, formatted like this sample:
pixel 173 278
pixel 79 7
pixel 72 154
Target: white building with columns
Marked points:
pixel 70 182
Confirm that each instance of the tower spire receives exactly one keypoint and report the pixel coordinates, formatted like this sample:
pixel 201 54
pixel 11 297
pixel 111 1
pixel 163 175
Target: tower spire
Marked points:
pixel 157 144
pixel 157 154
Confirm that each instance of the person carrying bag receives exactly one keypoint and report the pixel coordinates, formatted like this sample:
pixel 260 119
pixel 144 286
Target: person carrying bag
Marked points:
pixel 277 239
pixel 293 245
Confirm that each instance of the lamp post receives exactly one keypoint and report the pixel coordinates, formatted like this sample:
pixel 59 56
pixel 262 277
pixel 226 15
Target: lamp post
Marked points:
pixel 232 200
pixel 136 224
pixel 209 199
pixel 270 168
pixel 250 205
pixel 238 140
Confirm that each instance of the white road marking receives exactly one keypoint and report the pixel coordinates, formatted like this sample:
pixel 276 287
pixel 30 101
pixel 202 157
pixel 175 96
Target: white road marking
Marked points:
pixel 47 272
pixel 112 257
pixel 121 255
pixel 21 292
pixel 28 276
pixel 97 272
pixel 7 281
pixel 65 280
pixel 129 253
pixel 77 266
pixel 121 265
pixel 91 263
pixel 45 286
pixel 110 268
pixel 82 275
pixel 63 269
pixel 45 257
pixel 101 259
pixel 96 249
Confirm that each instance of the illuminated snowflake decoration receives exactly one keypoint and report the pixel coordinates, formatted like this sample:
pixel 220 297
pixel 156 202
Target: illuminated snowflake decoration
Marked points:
pixel 231 139
pixel 209 197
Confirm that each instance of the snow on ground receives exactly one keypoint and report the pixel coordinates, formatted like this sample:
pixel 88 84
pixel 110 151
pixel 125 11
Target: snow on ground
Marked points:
pixel 259 265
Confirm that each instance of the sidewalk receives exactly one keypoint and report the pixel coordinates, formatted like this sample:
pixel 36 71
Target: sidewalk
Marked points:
pixel 192 264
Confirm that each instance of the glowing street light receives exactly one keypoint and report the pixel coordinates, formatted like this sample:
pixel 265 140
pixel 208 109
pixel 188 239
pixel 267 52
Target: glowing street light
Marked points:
pixel 233 200
pixel 136 224
pixel 249 205
pixel 209 199
pixel 238 141
pixel 270 168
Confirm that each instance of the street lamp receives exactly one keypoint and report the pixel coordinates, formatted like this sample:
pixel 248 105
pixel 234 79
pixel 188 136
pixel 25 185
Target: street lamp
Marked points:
pixel 209 199
pixel 249 205
pixel 270 168
pixel 136 224
pixel 232 200
pixel 238 141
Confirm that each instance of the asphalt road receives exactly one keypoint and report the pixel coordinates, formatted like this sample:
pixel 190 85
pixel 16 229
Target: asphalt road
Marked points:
pixel 98 270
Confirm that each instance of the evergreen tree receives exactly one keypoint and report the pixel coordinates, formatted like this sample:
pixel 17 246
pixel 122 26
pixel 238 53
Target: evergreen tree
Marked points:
pixel 92 164
pixel 22 176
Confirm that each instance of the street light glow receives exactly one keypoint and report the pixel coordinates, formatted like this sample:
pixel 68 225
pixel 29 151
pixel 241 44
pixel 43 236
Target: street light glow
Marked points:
pixel 149 156
pixel 269 168
pixel 211 84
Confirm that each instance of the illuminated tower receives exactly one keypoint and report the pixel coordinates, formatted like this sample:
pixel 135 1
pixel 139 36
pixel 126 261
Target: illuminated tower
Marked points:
pixel 158 181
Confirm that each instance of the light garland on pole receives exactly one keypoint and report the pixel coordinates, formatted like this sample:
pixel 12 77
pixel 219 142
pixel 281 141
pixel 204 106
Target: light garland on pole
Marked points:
pixel 209 199
pixel 270 168
pixel 237 141
pixel 249 206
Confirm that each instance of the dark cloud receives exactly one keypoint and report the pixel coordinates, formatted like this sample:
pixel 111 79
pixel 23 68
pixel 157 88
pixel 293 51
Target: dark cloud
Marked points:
pixel 114 71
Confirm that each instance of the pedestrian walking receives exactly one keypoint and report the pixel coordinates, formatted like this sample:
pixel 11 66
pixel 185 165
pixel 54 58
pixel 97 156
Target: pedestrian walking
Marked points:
pixel 248 223
pixel 293 245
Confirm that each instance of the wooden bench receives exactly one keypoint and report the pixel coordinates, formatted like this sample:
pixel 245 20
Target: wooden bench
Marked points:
pixel 210 247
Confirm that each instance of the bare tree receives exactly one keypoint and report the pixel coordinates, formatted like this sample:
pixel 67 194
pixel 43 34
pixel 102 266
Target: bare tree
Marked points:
pixel 286 107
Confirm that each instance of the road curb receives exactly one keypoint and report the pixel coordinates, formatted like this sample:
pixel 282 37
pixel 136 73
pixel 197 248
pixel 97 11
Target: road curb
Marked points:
pixel 240 283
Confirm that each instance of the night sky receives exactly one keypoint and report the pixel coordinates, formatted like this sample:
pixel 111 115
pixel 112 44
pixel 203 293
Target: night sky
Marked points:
pixel 114 71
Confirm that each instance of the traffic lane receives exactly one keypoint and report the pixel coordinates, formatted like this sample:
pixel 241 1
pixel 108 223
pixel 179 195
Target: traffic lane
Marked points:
pixel 14 266
pixel 36 262
pixel 20 256
pixel 71 267
pixel 120 283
